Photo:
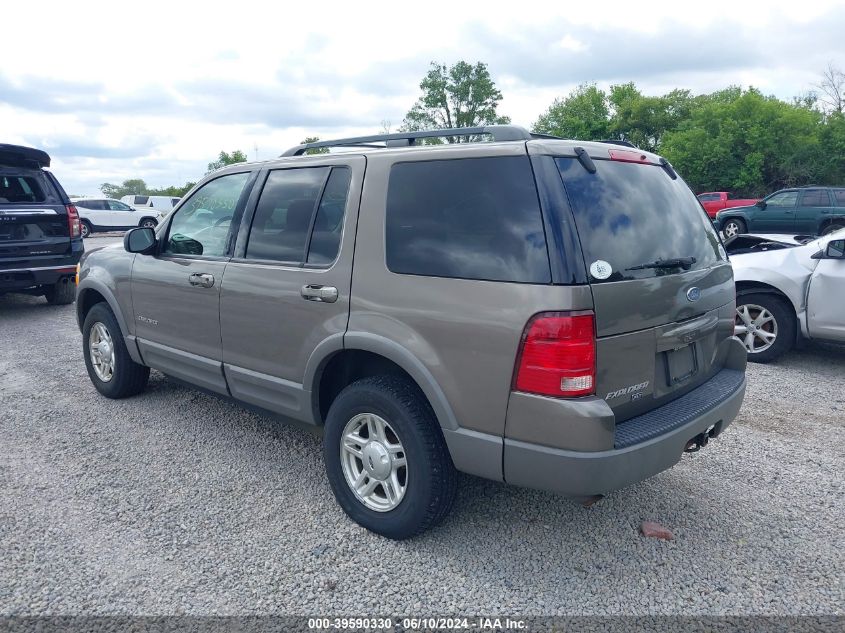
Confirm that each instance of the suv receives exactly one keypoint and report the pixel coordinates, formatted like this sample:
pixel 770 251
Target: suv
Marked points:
pixel 549 313
pixel 99 215
pixel 808 210
pixel 40 235
pixel 162 205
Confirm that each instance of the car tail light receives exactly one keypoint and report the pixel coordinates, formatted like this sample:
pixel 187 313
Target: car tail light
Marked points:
pixel 73 225
pixel 557 355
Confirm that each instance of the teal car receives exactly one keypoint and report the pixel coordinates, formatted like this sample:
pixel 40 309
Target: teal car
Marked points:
pixel 805 211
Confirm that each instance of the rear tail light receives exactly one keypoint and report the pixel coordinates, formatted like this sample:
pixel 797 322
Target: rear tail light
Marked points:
pixel 73 221
pixel 557 355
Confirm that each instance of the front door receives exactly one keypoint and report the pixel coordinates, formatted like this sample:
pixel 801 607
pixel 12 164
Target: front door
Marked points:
pixel 176 292
pixel 121 215
pixel 287 288
pixel 778 216
pixel 826 297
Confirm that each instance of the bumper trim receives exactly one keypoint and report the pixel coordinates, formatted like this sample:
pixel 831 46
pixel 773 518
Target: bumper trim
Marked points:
pixel 582 473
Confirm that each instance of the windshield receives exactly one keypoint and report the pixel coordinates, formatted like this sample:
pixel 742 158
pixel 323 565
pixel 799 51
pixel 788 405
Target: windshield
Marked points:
pixel 634 221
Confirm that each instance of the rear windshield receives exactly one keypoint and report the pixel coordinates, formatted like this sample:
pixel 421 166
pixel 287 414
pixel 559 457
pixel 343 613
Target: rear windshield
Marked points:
pixel 21 189
pixel 630 215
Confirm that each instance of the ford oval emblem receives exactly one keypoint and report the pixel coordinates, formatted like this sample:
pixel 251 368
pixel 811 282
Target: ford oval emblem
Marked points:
pixel 694 294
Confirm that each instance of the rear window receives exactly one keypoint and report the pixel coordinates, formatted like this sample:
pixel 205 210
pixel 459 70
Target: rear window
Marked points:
pixel 474 218
pixel 21 190
pixel 839 197
pixel 628 215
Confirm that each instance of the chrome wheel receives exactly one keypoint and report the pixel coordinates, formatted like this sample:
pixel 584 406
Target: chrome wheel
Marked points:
pixel 85 230
pixel 755 327
pixel 149 224
pixel 731 229
pixel 101 350
pixel 374 463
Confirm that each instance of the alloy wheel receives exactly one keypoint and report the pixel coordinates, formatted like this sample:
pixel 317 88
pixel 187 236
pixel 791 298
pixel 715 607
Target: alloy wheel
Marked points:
pixel 101 350
pixel 755 327
pixel 374 462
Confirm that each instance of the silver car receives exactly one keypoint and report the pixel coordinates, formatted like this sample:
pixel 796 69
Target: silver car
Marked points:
pixel 788 289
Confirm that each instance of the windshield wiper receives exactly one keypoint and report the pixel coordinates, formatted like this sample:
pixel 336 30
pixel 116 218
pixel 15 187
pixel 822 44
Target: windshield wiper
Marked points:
pixel 674 262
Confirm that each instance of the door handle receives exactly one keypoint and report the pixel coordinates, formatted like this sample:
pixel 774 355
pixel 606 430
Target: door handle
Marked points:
pixel 203 280
pixel 316 292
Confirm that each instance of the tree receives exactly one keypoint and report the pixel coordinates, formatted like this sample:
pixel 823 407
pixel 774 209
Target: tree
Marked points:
pixel 832 87
pixel 316 150
pixel 227 159
pixel 133 185
pixel 584 115
pixel 462 95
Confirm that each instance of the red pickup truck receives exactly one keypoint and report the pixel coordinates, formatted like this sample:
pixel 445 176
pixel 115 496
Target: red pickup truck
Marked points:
pixel 715 201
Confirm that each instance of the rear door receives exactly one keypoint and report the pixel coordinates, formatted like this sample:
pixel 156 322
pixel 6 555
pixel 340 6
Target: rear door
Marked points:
pixel 814 205
pixel 287 289
pixel 176 292
pixel 662 286
pixel 34 228
pixel 94 211
pixel 778 216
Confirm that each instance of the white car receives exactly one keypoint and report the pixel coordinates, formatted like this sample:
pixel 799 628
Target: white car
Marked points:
pixel 787 289
pixel 99 215
pixel 162 204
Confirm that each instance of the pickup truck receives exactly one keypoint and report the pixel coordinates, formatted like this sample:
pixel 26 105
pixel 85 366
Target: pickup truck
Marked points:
pixel 715 201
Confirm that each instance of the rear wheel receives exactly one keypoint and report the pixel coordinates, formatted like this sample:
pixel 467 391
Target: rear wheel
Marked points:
pixel 85 227
pixel 386 459
pixel 832 228
pixel 765 324
pixel 148 223
pixel 734 226
pixel 110 368
pixel 61 293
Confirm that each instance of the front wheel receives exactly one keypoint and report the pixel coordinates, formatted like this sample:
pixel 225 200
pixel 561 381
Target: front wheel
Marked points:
pixel 733 227
pixel 110 368
pixel 765 324
pixel 386 459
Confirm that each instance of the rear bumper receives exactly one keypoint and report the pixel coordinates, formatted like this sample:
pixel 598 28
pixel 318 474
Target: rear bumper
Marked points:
pixel 24 278
pixel 644 447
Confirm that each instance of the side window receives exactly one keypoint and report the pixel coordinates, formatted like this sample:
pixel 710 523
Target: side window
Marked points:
pixel 328 225
pixel 708 197
pixel 815 198
pixel 201 227
pixel 785 199
pixel 839 197
pixel 141 200
pixel 282 218
pixel 114 205
pixel 475 218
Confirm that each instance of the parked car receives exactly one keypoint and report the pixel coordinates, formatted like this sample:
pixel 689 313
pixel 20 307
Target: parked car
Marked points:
pixel 162 204
pixel 715 201
pixel 808 210
pixel 438 312
pixel 99 215
pixel 788 290
pixel 40 233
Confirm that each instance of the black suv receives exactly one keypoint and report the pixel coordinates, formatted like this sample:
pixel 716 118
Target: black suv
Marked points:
pixel 40 234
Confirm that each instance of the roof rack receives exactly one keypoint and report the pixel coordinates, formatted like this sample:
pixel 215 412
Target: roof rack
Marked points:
pixel 405 139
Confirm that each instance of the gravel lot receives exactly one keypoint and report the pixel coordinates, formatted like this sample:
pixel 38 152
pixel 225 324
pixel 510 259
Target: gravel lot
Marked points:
pixel 178 502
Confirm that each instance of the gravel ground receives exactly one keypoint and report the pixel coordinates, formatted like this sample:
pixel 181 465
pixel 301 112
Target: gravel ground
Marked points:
pixel 178 502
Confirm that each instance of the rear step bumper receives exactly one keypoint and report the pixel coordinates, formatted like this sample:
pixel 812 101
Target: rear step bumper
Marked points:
pixel 645 445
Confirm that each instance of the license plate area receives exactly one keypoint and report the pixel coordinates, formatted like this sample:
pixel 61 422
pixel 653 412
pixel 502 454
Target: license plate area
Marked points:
pixel 681 364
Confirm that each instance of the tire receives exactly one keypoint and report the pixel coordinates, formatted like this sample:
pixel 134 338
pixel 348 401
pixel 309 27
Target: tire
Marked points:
pixel 783 325
pixel 430 477
pixel 736 225
pixel 149 223
pixel 832 228
pixel 128 377
pixel 85 228
pixel 61 293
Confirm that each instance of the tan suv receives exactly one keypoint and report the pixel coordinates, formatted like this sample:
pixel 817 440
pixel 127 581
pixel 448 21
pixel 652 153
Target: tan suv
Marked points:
pixel 549 313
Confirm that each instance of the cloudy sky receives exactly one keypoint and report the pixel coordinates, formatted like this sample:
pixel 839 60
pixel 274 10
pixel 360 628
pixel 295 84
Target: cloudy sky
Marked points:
pixel 116 90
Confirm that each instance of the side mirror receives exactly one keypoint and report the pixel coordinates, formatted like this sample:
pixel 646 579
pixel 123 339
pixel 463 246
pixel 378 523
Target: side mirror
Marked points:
pixel 835 249
pixel 761 204
pixel 140 240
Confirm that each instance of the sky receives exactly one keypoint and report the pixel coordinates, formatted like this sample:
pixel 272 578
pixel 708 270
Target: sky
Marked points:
pixel 155 90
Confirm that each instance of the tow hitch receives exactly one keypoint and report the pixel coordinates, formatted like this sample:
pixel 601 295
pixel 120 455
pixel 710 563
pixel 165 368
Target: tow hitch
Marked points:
pixel 701 440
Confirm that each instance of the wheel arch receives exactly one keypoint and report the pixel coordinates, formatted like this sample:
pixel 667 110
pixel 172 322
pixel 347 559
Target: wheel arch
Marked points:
pixel 147 217
pixel 827 222
pixel 758 287
pixel 335 364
